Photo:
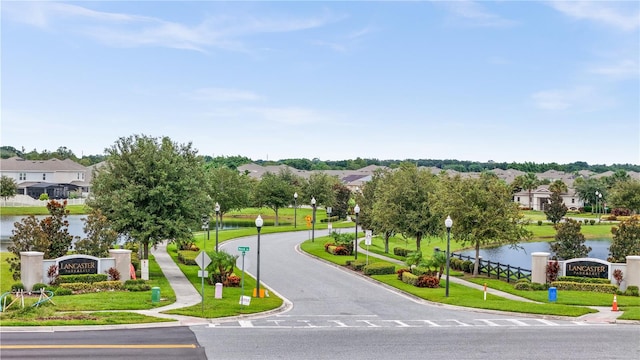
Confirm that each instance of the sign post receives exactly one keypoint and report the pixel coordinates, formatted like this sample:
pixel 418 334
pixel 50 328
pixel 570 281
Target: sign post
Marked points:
pixel 244 300
pixel 203 260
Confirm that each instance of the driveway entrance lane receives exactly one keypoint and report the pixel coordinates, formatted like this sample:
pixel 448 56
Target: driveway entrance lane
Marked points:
pixel 319 289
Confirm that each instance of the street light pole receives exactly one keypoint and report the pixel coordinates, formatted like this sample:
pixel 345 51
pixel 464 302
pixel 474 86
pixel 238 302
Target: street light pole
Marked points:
pixel 217 214
pixel 600 211
pixel 313 220
pixel 356 209
pixel 448 223
pixel 329 217
pixel 595 210
pixel 295 209
pixel 259 223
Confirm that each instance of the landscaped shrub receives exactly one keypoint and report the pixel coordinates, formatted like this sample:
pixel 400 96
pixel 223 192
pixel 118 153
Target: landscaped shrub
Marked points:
pixel 455 264
pixel 187 257
pixel 136 285
pixel 17 287
pixel 539 222
pixel 427 281
pixel 232 281
pixel 356 265
pixel 108 285
pixel 467 266
pixel 419 271
pixel 326 246
pixel 113 274
pixel 83 278
pixel 632 290
pixel 552 271
pixel 538 286
pixel 592 221
pixel 77 287
pixel 62 291
pixel 338 250
pixel 618 275
pixel 379 269
pixel 524 285
pixel 52 274
pixel 409 278
pixel 38 286
pixel 398 251
pixel 599 288
pixel 620 212
pixel 400 271
pixel 580 279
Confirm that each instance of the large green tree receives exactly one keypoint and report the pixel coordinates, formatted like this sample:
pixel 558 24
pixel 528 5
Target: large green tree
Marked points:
pixel 229 188
pixel 569 242
pixel 274 191
pixel 8 187
pixel 404 203
pixel 626 240
pixel 368 218
pixel 151 189
pixel 626 194
pixel 320 187
pixel 482 211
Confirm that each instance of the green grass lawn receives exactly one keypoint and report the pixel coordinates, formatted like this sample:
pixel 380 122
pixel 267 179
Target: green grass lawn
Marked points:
pixel 47 315
pixel 229 304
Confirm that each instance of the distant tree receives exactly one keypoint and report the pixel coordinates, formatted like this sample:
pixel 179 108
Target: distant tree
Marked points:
pixel 586 189
pixel 626 194
pixel 528 182
pixel 556 209
pixel 320 187
pixel 151 190
pixel 618 176
pixel 569 242
pixel 273 191
pixel 100 236
pixel 232 162
pixel 405 199
pixel 366 201
pixel 8 187
pixel 558 186
pixel 482 211
pixel 625 241
pixel 341 203
pixel 229 188
pixel 49 236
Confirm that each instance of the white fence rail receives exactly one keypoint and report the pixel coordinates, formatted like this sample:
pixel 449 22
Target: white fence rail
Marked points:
pixel 24 200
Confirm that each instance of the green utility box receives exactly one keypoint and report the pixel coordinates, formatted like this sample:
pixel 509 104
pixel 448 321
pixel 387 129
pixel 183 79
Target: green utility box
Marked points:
pixel 155 294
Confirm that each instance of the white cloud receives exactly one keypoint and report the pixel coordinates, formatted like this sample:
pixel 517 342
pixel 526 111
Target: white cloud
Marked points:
pixel 475 14
pixel 224 95
pixel 627 68
pixel 563 99
pixel 622 15
pixel 119 29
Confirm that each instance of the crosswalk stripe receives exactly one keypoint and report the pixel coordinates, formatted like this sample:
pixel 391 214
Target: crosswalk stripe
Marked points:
pixel 245 323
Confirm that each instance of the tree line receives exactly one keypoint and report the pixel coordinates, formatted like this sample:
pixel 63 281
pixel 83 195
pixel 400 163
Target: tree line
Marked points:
pixel 352 164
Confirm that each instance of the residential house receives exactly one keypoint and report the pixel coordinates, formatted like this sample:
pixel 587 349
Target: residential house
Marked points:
pixel 541 196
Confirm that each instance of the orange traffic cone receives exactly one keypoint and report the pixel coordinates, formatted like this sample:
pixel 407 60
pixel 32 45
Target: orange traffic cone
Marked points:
pixel 615 304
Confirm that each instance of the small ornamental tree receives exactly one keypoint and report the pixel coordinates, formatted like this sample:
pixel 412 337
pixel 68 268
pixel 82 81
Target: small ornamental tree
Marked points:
pixel 569 241
pixel 8 187
pixel 556 209
pixel 625 241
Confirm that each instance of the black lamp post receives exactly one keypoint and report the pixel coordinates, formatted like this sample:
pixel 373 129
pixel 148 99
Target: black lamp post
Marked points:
pixel 448 223
pixel 313 220
pixel 356 210
pixel 217 208
pixel 259 223
pixel 295 209
pixel 329 217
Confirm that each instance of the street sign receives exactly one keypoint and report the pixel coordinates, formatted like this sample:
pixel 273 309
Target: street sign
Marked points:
pixel 245 300
pixel 203 273
pixel 367 237
pixel 203 260
pixel 243 248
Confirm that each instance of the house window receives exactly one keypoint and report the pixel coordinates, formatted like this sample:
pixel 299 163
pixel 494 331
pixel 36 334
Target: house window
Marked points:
pixel 518 198
pixel 23 176
pixel 44 176
pixel 573 201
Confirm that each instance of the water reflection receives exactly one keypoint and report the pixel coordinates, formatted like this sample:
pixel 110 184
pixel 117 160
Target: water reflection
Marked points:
pixel 522 257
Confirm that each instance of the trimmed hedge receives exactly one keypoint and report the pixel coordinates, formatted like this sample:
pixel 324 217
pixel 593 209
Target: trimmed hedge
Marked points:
pixel 83 278
pixel 600 288
pixel 584 280
pixel 398 251
pixel 409 278
pixel 379 269
pixel 356 265
pixel 187 257
pixel 419 271
pixel 632 290
pixel 91 287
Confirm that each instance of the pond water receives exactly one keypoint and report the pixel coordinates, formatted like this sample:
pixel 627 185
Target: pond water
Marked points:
pixel 76 227
pixel 522 256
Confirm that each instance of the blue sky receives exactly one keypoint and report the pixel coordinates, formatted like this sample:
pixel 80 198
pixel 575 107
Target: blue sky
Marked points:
pixel 555 81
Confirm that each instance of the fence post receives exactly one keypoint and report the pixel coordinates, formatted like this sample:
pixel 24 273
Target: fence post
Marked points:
pixel 508 273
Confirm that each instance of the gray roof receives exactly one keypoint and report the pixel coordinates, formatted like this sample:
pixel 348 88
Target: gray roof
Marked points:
pixel 18 164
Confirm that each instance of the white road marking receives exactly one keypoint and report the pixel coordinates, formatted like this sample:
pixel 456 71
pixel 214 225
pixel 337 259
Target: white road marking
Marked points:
pixel 245 323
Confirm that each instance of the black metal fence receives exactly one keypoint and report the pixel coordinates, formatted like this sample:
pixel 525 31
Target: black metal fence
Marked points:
pixel 497 270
